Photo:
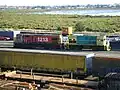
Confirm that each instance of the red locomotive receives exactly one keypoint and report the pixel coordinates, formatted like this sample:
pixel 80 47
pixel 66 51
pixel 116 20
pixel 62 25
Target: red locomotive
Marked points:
pixel 45 41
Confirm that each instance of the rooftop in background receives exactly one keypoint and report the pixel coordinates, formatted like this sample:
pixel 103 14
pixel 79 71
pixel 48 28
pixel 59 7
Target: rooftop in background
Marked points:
pixel 58 7
pixel 55 2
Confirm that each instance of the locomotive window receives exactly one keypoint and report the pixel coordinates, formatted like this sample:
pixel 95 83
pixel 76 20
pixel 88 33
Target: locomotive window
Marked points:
pixel 54 39
pixel 26 36
pixel 100 40
pixel 72 41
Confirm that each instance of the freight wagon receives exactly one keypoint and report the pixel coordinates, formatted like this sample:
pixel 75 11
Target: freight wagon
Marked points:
pixel 79 63
pixel 106 62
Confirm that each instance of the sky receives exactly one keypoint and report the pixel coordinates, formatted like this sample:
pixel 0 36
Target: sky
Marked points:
pixel 54 2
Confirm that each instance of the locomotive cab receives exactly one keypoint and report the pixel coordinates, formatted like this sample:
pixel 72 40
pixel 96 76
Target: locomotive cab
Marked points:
pixel 103 43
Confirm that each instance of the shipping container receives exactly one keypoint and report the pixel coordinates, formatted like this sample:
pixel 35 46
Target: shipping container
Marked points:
pixel 55 61
pixel 104 63
pixel 7 34
pixel 86 40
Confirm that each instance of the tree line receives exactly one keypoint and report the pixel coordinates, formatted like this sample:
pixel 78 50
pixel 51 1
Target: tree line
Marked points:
pixel 16 20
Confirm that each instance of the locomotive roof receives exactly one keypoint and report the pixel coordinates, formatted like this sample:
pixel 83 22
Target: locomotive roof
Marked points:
pixel 39 34
pixel 48 51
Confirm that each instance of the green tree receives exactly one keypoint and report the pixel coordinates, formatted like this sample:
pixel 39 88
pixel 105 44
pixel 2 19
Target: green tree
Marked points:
pixel 79 26
pixel 59 28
